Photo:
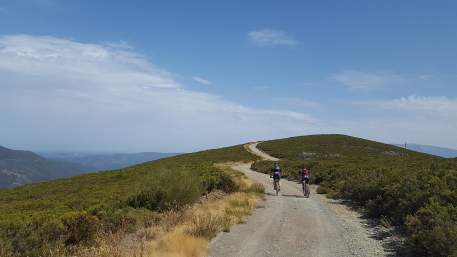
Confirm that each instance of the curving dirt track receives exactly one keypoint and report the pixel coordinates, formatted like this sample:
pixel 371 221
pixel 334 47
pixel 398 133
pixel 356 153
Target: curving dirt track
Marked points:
pixel 291 225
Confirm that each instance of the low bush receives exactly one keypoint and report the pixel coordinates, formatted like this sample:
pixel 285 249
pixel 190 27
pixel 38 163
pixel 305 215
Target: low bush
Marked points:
pixel 80 227
pixel 433 230
pixel 34 238
pixel 213 178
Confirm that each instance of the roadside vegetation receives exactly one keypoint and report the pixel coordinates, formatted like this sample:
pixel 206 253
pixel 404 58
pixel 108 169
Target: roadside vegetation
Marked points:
pixel 415 192
pixel 138 211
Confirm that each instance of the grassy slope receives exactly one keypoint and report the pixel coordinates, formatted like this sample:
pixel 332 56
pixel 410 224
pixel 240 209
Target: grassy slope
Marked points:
pixel 337 152
pixel 346 146
pixel 27 212
pixel 416 191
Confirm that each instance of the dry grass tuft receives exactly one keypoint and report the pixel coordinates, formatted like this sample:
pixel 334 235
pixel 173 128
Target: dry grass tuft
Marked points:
pixel 207 225
pixel 178 244
pixel 173 218
pixel 256 188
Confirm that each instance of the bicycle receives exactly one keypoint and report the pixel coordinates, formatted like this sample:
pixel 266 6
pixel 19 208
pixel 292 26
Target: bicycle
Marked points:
pixel 305 187
pixel 276 186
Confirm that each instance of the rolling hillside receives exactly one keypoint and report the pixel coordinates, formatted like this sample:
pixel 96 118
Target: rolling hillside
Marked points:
pixel 22 167
pixel 414 191
pixel 36 218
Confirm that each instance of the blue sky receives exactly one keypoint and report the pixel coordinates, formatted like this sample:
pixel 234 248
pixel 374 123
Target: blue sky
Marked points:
pixel 197 74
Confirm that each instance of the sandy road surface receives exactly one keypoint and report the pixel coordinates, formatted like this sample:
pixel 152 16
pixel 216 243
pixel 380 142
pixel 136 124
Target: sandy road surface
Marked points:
pixel 253 149
pixel 291 225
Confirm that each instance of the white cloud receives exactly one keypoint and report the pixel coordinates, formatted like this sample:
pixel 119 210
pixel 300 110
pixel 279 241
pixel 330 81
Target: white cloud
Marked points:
pixel 61 94
pixel 366 80
pixel 436 105
pixel 270 37
pixel 202 80
pixel 416 119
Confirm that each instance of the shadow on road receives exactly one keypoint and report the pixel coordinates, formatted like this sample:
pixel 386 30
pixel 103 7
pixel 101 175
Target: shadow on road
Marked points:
pixel 285 195
pixel 294 196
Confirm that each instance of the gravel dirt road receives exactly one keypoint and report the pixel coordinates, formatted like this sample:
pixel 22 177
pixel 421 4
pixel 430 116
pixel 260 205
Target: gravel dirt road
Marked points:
pixel 291 225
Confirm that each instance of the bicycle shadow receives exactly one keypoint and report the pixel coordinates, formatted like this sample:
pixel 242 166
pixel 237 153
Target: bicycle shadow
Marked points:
pixel 293 196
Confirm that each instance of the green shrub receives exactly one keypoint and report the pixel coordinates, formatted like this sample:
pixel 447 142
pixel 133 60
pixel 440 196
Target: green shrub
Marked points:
pixel 34 238
pixel 80 227
pixel 172 193
pixel 154 200
pixel 213 178
pixel 433 230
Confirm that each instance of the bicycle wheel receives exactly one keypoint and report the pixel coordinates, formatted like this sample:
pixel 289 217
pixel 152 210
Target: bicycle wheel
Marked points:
pixel 307 190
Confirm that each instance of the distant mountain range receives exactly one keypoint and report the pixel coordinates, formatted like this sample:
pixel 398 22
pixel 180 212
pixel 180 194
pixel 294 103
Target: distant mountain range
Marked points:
pixel 109 161
pixel 22 167
pixel 435 150
pixel 19 167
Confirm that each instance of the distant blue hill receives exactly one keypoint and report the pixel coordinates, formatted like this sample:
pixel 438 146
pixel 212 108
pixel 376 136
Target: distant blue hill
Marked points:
pixel 435 150
pixel 19 167
pixel 94 162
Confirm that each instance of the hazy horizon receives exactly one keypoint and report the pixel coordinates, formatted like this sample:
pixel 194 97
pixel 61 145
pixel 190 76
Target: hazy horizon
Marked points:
pixel 410 145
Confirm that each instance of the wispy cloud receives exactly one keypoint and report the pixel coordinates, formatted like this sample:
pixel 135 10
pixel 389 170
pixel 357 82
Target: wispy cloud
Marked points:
pixel 98 97
pixel 434 104
pixel 271 37
pixel 202 80
pixel 365 80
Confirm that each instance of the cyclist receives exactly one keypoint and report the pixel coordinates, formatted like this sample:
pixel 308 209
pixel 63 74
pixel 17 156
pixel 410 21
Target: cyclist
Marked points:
pixel 276 175
pixel 305 175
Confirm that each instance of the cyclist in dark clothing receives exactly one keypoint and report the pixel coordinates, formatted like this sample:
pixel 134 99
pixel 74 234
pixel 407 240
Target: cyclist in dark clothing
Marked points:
pixel 305 175
pixel 276 175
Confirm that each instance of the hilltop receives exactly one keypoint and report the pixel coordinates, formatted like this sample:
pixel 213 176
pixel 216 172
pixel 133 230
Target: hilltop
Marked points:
pixel 336 146
pixel 22 167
